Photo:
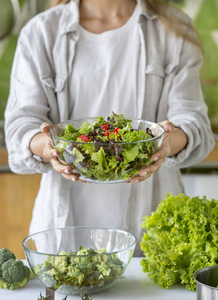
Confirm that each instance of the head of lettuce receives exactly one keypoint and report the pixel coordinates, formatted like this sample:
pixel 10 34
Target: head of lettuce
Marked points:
pixel 181 237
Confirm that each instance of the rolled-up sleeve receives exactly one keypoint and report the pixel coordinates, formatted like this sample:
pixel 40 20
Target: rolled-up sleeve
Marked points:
pixel 26 109
pixel 188 110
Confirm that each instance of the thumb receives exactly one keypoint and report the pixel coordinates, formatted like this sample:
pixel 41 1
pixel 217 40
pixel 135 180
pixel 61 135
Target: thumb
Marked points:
pixel 168 126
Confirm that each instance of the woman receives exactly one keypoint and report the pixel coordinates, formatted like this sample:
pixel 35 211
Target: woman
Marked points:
pixel 89 58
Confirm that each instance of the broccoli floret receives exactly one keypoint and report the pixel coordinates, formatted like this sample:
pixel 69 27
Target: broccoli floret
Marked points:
pixel 85 268
pixel 14 274
pixel 88 251
pixel 5 255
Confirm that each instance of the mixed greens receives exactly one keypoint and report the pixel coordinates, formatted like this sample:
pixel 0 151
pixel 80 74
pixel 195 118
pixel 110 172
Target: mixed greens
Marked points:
pixel 109 149
pixel 181 237
pixel 79 272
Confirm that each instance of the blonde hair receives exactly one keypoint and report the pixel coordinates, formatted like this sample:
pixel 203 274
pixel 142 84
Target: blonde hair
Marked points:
pixel 172 17
pixel 175 20
pixel 56 2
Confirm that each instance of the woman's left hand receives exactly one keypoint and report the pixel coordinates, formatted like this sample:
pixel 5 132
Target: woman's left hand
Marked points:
pixel 157 158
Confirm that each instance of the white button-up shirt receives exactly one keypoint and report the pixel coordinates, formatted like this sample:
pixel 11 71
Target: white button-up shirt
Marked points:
pixel 168 87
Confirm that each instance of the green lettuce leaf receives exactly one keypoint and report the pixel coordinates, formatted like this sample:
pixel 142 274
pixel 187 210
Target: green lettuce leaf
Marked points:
pixel 120 120
pixel 131 153
pixel 99 121
pixel 85 128
pixel 70 133
pixel 78 155
pixel 135 136
pixel 70 129
pixel 99 157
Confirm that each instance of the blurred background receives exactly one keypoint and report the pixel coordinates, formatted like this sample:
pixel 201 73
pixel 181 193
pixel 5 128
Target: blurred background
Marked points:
pixel 18 192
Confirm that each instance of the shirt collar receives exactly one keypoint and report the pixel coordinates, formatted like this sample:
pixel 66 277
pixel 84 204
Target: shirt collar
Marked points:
pixel 70 18
pixel 145 10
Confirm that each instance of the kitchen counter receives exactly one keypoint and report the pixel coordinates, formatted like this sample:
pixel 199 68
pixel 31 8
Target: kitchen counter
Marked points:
pixel 135 286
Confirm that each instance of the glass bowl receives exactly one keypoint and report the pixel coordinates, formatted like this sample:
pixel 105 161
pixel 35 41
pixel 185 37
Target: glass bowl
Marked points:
pixel 77 260
pixel 107 162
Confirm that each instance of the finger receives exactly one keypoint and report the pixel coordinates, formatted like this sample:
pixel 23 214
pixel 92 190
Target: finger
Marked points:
pixel 153 168
pixel 74 177
pixel 44 127
pixel 155 157
pixel 65 171
pixel 168 126
pixel 50 152
pixel 71 176
pixel 58 167
pixel 147 172
pixel 137 178
pixel 160 154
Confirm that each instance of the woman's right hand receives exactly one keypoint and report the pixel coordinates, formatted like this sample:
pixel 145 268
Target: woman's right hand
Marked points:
pixel 50 154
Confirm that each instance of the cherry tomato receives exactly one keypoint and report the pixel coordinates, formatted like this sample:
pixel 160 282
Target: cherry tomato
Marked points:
pixel 106 133
pixel 116 131
pixel 104 127
pixel 84 138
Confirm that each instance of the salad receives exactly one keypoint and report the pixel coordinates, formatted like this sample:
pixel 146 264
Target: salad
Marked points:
pixel 76 272
pixel 108 149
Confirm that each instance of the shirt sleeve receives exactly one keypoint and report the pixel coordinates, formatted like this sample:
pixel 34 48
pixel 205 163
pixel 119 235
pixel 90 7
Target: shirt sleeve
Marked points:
pixel 187 109
pixel 26 109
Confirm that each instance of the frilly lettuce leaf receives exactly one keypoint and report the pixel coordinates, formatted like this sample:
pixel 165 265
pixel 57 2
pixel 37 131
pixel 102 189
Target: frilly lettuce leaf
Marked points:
pixel 134 136
pixel 99 121
pixel 120 120
pixel 85 128
pixel 70 129
pixel 131 153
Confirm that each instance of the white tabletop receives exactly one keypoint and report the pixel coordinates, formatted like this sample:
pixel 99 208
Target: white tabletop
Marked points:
pixel 135 286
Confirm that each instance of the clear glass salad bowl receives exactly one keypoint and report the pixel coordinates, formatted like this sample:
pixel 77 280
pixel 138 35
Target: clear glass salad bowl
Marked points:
pixel 105 151
pixel 77 259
